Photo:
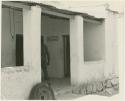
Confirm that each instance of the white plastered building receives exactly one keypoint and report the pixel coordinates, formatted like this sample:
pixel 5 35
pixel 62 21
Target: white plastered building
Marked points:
pixel 94 37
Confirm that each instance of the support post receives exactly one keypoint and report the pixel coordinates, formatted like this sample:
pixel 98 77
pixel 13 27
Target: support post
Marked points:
pixel 76 47
pixel 32 39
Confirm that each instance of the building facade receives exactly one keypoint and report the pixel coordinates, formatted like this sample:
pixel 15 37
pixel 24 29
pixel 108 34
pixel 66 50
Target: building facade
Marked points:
pixel 83 46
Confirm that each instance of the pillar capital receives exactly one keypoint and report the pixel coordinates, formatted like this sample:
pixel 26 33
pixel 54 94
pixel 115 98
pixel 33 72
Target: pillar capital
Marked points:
pixel 36 9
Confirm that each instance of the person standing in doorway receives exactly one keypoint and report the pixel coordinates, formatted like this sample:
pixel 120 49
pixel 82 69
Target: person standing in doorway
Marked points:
pixel 45 59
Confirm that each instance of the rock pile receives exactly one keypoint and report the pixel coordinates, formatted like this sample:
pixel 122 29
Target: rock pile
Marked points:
pixel 106 87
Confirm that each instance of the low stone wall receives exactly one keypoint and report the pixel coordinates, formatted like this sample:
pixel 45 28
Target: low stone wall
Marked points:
pixel 107 87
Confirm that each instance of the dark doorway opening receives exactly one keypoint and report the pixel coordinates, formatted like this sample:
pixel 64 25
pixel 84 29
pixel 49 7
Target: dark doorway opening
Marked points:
pixel 66 42
pixel 19 50
pixel 53 29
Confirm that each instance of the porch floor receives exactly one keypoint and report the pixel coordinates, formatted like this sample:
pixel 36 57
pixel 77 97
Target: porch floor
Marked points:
pixel 62 89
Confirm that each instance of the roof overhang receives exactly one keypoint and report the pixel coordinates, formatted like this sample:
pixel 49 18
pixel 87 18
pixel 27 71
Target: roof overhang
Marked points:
pixel 64 10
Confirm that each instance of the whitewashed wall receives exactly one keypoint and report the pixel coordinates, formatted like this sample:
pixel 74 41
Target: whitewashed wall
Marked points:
pixel 92 67
pixel 100 69
pixel 17 82
pixel 112 44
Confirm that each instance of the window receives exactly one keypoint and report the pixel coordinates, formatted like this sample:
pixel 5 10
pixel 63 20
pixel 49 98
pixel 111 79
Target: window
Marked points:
pixel 12 37
pixel 94 41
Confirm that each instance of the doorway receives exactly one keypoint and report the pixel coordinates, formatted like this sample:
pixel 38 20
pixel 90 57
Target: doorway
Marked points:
pixel 66 43
pixel 55 31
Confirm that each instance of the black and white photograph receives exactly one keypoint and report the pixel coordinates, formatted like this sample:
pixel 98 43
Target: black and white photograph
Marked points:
pixel 62 50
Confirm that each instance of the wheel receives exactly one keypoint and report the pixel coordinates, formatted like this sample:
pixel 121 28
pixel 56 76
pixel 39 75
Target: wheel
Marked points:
pixel 42 92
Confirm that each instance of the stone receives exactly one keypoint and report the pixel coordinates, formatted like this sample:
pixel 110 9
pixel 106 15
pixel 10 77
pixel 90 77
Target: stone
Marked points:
pixel 108 84
pixel 99 86
pixel 115 81
pixel 76 90
pixel 89 88
pixel 111 91
pixel 116 87
pixel 94 90
pixel 105 93
pixel 83 91
pixel 104 84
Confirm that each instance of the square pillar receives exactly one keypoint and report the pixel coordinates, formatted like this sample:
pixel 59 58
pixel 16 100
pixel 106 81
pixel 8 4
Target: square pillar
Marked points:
pixel 32 39
pixel 110 45
pixel 76 47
